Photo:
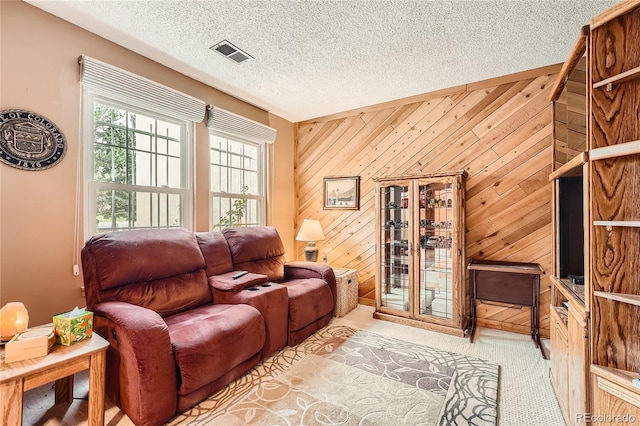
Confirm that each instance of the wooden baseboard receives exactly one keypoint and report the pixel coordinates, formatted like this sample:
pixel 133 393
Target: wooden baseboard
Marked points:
pixel 420 324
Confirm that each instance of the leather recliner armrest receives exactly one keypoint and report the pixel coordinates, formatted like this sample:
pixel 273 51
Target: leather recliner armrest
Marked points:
pixel 303 269
pixel 226 282
pixel 146 370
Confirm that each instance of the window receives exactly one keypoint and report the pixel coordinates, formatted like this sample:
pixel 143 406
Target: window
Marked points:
pixel 138 150
pixel 238 158
pixel 236 183
pixel 139 169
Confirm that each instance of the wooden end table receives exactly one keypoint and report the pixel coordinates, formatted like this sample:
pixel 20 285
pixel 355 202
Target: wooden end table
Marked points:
pixel 59 365
pixel 513 283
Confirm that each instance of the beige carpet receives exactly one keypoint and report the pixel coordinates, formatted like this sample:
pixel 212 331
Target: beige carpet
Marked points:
pixel 525 395
pixel 345 376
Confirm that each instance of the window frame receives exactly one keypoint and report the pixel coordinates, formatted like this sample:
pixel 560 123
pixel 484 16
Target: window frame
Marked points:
pixel 91 186
pixel 262 198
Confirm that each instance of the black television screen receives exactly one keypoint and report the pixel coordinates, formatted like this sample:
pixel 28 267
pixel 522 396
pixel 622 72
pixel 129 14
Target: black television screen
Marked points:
pixel 570 227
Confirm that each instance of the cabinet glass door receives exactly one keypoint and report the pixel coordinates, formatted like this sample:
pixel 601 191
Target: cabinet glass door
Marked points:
pixel 396 247
pixel 436 214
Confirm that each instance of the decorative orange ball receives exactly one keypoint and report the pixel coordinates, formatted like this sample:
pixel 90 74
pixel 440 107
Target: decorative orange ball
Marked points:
pixel 13 319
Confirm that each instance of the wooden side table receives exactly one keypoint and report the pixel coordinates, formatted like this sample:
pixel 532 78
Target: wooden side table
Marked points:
pixel 514 283
pixel 347 288
pixel 59 365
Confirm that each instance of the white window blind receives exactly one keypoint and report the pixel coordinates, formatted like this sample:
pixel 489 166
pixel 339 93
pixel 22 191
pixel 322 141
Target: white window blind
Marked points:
pixel 104 78
pixel 235 126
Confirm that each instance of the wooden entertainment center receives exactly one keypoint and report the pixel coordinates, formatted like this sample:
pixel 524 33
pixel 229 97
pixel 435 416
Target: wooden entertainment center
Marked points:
pixel 595 306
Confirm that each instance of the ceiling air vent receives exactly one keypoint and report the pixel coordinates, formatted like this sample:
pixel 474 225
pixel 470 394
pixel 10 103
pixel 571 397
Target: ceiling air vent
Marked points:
pixel 232 52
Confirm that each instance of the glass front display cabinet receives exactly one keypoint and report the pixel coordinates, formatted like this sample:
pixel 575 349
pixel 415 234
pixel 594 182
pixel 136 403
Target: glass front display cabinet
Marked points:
pixel 421 279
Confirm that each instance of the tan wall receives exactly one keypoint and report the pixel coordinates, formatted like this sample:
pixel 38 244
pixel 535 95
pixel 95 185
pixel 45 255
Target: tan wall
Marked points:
pixel 499 131
pixel 281 172
pixel 40 73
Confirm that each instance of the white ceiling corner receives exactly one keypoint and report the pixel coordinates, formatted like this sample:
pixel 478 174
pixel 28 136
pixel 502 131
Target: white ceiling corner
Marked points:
pixel 318 57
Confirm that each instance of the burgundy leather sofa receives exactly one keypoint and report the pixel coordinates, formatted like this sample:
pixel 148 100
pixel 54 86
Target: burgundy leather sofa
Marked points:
pixel 180 327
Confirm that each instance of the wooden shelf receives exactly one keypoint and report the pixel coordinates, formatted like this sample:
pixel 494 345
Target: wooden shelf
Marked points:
pixel 618 150
pixel 618 376
pixel 572 292
pixel 631 299
pixel 572 168
pixel 622 223
pixel 632 74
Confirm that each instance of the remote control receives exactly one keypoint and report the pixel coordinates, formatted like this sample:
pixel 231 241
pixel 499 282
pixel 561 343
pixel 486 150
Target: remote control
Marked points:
pixel 239 274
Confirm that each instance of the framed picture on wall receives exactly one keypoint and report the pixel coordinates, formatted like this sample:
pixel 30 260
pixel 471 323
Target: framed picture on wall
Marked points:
pixel 342 193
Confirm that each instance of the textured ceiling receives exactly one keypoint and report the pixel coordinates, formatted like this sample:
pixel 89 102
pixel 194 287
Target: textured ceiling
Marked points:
pixel 319 57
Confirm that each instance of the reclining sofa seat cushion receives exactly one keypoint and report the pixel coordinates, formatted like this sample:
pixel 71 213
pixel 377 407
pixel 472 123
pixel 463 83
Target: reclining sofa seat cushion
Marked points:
pixel 311 298
pixel 170 346
pixel 273 303
pixel 236 331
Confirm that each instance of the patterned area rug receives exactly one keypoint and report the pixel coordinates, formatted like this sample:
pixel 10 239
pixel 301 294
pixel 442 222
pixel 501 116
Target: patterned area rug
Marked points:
pixel 345 376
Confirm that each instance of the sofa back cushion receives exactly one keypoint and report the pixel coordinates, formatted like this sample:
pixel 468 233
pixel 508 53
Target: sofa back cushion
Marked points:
pixel 256 249
pixel 216 252
pixel 159 269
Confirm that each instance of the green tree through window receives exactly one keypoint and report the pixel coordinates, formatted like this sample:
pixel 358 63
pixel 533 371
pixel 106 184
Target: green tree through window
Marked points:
pixel 236 182
pixel 112 163
pixel 139 176
pixel 236 212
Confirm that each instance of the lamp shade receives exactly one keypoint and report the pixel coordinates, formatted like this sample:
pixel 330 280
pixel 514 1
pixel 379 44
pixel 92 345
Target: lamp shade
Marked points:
pixel 310 231
pixel 13 319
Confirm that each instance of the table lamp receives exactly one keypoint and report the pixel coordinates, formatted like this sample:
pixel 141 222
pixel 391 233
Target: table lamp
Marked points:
pixel 13 319
pixel 310 231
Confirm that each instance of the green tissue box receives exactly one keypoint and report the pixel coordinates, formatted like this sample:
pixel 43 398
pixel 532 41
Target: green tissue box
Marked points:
pixel 74 326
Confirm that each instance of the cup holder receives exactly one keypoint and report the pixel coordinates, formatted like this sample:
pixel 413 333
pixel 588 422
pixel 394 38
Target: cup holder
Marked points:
pixel 253 289
pixel 265 285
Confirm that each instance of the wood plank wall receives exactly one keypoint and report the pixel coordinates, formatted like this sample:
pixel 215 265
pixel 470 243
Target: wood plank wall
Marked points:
pixel 498 130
